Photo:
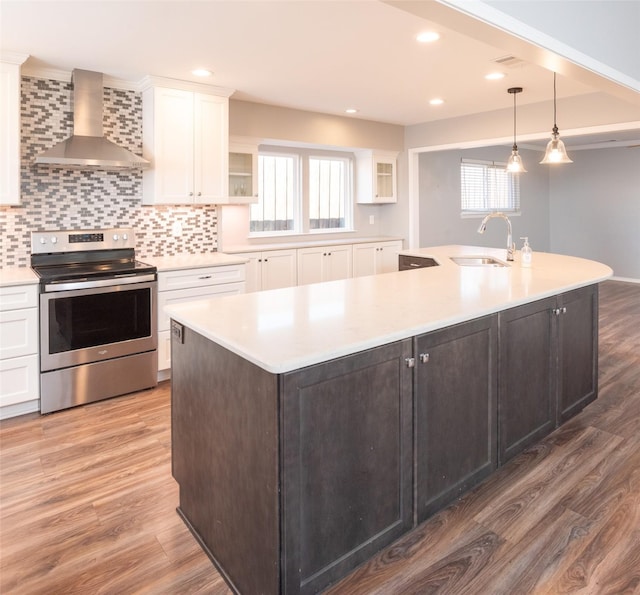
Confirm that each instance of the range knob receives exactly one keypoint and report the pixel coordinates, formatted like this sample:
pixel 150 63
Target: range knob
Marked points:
pixel 43 240
pixel 125 237
pixel 116 237
pixel 54 240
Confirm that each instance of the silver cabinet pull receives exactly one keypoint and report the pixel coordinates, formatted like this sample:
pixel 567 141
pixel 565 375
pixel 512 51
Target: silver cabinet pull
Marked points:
pixel 411 362
pixel 424 358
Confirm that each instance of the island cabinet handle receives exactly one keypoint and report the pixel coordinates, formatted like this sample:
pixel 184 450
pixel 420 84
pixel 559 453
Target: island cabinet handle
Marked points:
pixel 424 358
pixel 411 362
pixel 205 277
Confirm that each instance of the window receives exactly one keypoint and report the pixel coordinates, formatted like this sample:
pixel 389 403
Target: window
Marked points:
pixel 487 186
pixel 327 193
pixel 278 192
pixel 303 191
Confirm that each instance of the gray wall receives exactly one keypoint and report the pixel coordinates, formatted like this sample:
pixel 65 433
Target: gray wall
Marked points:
pixel 595 208
pixel 440 221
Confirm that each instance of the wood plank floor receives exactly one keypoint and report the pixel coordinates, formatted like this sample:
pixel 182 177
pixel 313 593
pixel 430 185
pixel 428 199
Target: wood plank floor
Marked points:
pixel 87 502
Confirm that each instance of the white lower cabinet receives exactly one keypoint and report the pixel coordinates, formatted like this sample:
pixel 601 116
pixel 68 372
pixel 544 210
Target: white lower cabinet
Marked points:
pixel 324 263
pixel 187 285
pixel 19 366
pixel 376 257
pixel 271 269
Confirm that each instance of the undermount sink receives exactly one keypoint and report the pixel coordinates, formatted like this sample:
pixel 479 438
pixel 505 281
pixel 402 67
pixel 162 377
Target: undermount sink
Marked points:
pixel 478 261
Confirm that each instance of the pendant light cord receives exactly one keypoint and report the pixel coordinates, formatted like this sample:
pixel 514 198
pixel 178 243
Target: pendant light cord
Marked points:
pixel 514 121
pixel 555 125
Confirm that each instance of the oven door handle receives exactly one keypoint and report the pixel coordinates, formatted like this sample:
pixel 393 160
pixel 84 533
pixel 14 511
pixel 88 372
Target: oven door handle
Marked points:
pixel 85 284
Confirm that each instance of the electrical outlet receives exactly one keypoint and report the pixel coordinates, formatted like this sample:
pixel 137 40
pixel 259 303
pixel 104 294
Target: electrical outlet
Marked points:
pixel 372 219
pixel 177 330
pixel 176 229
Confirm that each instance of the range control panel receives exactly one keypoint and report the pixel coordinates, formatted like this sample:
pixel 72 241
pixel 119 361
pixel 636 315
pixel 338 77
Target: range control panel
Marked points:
pixel 81 240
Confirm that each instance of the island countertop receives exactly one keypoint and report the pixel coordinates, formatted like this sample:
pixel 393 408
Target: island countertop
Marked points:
pixel 286 329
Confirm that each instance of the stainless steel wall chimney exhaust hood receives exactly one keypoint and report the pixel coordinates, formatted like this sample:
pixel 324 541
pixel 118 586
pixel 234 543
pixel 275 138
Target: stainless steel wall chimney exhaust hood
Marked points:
pixel 88 148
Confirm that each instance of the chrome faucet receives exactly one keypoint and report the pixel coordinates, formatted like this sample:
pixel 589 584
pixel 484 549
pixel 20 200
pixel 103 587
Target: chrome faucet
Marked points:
pixel 510 245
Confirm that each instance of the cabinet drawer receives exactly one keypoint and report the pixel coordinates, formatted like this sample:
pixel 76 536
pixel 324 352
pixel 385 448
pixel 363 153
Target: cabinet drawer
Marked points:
pixel 19 380
pixel 14 297
pixel 200 277
pixel 194 293
pixel 18 333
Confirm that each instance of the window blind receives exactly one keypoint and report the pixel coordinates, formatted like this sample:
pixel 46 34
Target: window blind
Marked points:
pixel 487 186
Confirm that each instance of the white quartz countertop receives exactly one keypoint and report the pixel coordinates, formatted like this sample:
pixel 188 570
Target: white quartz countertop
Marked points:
pixel 307 244
pixel 193 261
pixel 287 329
pixel 17 276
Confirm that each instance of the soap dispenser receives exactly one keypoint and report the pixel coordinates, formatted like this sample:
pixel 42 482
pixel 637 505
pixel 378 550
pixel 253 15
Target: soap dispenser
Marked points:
pixel 526 254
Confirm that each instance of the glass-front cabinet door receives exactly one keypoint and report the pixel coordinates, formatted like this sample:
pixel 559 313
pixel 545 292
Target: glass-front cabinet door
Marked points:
pixel 385 180
pixel 376 176
pixel 243 173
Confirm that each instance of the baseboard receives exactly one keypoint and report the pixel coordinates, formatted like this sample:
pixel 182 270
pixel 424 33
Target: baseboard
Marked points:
pixel 625 279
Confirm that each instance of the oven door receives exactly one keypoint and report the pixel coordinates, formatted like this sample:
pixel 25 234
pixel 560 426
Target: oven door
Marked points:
pixel 100 323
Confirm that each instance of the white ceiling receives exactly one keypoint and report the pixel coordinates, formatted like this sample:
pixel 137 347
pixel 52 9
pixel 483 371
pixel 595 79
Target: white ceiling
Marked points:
pixel 317 55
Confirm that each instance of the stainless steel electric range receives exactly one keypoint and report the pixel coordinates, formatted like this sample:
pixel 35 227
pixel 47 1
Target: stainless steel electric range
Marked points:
pixel 98 323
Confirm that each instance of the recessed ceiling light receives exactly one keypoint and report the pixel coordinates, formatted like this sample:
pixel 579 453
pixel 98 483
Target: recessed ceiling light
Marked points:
pixel 201 72
pixel 436 101
pixel 428 36
pixel 494 76
pixel 351 110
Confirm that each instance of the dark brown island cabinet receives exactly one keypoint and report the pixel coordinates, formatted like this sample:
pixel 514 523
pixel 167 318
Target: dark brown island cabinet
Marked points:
pixel 289 481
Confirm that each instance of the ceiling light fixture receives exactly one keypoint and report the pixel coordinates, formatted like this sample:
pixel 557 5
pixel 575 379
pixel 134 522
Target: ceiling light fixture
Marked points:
pixel 351 110
pixel 201 72
pixel 494 76
pixel 556 152
pixel 428 36
pixel 515 165
pixel 436 101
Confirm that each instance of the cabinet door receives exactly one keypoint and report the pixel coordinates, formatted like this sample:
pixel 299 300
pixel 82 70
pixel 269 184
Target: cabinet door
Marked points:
pixel 253 271
pixel 346 463
pixel 173 154
pixel 384 179
pixel 338 263
pixel 279 269
pixel 19 380
pixel 528 374
pixel 243 173
pixel 578 350
pixel 18 333
pixel 211 152
pixel 311 265
pixel 364 259
pixel 387 257
pixel 456 411
pixel 9 134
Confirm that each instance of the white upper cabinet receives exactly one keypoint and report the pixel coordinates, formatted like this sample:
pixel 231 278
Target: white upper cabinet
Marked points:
pixel 10 128
pixel 376 173
pixel 186 138
pixel 243 172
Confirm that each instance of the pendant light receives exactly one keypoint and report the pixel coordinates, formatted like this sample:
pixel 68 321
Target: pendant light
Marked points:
pixel 556 152
pixel 515 165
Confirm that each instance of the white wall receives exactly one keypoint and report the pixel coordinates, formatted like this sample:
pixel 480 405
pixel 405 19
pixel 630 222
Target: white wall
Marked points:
pixel 605 30
pixel 440 221
pixel 595 208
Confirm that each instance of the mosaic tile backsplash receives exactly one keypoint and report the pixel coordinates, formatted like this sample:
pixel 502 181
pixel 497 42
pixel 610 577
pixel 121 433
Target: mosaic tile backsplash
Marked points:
pixel 76 199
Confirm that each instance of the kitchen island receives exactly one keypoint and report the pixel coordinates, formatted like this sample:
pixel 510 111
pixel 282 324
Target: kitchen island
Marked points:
pixel 314 425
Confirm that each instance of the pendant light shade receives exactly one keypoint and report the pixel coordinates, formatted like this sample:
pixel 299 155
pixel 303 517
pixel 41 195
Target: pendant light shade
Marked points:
pixel 514 164
pixel 556 152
